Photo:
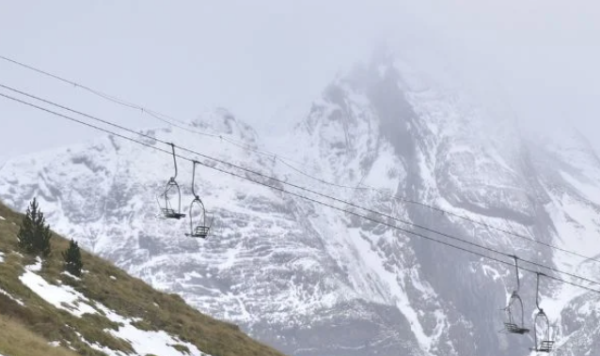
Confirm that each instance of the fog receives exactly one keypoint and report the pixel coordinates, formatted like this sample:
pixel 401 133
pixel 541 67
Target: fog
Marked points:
pixel 257 58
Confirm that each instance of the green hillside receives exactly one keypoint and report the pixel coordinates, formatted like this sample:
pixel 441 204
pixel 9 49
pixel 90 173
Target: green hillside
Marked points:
pixel 44 311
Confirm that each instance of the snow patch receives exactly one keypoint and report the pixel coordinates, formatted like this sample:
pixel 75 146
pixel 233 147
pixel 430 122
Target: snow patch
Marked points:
pixel 143 342
pixel 99 347
pixel 65 273
pixel 2 217
pixel 1 256
pixel 62 297
pixel 36 267
pixel 150 342
pixel 18 301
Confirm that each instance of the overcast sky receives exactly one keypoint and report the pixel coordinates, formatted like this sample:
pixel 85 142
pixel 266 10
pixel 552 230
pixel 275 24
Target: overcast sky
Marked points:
pixel 256 57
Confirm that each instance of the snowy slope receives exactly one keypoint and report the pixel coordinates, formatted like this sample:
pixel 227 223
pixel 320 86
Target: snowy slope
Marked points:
pixel 66 298
pixel 313 281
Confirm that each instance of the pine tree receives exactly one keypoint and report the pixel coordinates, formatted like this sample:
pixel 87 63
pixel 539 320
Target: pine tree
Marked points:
pixel 26 230
pixel 72 257
pixel 34 234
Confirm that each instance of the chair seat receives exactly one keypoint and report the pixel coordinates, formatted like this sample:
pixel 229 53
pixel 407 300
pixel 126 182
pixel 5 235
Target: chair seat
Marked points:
pixel 515 329
pixel 171 214
pixel 200 231
pixel 546 346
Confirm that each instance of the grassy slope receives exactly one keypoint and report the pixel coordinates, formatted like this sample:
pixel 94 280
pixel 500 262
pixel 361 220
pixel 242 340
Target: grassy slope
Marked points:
pixel 16 339
pixel 39 322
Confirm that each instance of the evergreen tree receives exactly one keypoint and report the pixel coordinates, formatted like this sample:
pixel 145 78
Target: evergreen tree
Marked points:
pixel 72 257
pixel 26 230
pixel 34 234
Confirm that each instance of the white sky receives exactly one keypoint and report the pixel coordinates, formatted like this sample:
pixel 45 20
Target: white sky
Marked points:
pixel 256 57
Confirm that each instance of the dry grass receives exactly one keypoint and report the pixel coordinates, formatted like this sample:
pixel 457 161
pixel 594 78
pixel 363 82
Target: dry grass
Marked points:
pixel 126 295
pixel 16 340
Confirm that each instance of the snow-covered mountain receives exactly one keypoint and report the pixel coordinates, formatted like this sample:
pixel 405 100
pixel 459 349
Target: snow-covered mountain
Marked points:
pixel 311 280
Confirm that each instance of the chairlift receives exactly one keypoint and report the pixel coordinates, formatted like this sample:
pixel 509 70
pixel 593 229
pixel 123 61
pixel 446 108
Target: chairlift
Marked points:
pixel 515 302
pixel 197 228
pixel 541 325
pixel 171 189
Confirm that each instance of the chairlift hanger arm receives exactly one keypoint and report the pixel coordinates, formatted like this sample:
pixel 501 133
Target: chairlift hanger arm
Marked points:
pixel 194 179
pixel 537 291
pixel 174 160
pixel 517 271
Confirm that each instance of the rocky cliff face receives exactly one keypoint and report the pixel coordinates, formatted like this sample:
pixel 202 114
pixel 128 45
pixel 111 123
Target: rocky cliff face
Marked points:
pixel 314 281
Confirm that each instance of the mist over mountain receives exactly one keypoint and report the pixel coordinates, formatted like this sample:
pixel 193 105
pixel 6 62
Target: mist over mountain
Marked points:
pixel 313 281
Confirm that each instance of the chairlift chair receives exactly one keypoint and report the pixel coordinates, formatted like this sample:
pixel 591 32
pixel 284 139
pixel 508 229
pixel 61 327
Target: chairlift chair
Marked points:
pixel 541 321
pixel 171 188
pixel 515 302
pixel 197 228
pixel 541 325
pixel 510 322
